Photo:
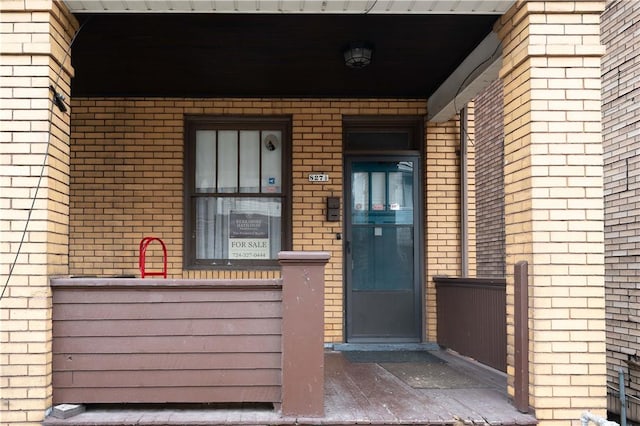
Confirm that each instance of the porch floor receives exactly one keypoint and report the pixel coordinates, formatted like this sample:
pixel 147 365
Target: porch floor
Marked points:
pixel 451 391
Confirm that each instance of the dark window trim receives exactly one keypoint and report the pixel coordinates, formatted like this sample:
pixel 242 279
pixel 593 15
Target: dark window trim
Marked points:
pixel 198 122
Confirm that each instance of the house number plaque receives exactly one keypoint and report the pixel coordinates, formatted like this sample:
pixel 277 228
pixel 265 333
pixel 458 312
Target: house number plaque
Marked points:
pixel 318 177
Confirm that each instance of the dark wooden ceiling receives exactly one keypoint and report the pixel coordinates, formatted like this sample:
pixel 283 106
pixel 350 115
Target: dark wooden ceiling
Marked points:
pixel 215 55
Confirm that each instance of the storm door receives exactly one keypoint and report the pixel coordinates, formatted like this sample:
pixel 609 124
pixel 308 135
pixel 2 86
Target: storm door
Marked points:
pixel 382 249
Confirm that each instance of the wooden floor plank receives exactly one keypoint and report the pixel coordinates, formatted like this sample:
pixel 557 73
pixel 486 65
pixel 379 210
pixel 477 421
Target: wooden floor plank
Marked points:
pixel 355 393
pixel 487 375
pixel 406 404
pixel 344 399
pixel 450 406
pixel 491 406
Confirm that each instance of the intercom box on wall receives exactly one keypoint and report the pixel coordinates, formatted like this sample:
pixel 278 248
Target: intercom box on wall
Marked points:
pixel 333 209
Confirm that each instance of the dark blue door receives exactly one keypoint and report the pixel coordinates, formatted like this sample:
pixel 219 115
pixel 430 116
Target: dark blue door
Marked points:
pixel 382 254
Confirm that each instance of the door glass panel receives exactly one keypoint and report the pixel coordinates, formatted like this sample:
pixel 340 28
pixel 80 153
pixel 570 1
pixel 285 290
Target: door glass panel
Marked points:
pixel 396 184
pixel 382 235
pixel 363 258
pixel 382 257
pixel 396 191
pixel 360 196
pixel 378 191
pixel 401 193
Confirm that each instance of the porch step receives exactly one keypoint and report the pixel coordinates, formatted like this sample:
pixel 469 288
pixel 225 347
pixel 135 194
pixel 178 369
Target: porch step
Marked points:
pixel 260 417
pixel 210 419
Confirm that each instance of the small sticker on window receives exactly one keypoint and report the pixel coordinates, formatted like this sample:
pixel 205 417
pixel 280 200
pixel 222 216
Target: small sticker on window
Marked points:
pixel 272 181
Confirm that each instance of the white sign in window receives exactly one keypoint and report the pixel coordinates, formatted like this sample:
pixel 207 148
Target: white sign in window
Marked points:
pixel 248 236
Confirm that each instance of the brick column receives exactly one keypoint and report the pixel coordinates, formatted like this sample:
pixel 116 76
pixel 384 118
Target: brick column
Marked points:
pixel 553 200
pixel 35 36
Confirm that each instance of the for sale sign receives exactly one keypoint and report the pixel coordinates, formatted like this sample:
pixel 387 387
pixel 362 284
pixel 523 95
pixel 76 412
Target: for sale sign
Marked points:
pixel 248 236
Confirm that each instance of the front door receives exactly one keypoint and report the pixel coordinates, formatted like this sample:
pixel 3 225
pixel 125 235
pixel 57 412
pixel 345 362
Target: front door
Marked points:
pixel 382 250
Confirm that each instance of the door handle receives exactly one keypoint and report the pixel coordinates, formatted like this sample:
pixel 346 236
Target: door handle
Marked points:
pixel 347 247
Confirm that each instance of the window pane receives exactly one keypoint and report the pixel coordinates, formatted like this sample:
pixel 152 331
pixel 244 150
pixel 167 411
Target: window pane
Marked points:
pixel 360 191
pixel 272 161
pixel 382 261
pixel 360 197
pixel 205 161
pixel 401 193
pixel 238 228
pixel 380 141
pixel 249 161
pixel 378 191
pixel 227 161
pixel 205 228
pixel 396 191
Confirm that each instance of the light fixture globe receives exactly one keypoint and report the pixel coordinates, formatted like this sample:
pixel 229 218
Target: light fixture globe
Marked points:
pixel 358 54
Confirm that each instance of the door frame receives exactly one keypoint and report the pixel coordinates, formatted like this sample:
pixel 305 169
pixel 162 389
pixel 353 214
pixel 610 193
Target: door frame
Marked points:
pixel 413 125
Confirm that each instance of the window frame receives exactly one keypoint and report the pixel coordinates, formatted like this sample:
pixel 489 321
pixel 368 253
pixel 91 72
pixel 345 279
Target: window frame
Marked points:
pixel 193 123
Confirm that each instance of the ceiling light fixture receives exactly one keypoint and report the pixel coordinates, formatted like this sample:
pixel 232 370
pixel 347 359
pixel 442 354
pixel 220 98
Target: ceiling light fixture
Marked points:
pixel 358 54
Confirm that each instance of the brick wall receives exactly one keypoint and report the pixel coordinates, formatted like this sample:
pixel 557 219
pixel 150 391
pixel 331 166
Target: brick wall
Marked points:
pixel 34 38
pixel 442 214
pixel 489 141
pixel 621 138
pixel 442 209
pixel 126 182
pixel 553 200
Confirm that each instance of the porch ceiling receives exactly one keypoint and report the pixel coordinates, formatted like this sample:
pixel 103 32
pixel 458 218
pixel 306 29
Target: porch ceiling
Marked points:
pixel 269 55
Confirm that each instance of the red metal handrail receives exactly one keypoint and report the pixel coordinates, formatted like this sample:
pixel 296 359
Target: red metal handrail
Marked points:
pixel 144 244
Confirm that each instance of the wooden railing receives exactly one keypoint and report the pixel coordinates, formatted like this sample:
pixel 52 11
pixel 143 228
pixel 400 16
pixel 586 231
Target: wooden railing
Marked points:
pixel 130 340
pixel 471 315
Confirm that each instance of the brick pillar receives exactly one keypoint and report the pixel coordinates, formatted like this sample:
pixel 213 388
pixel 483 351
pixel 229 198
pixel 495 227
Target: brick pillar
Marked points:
pixel 35 36
pixel 553 200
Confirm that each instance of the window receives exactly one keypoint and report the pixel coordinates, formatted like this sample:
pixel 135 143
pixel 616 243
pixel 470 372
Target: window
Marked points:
pixel 387 133
pixel 237 203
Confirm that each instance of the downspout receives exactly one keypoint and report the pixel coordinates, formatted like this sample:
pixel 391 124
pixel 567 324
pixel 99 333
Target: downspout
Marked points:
pixel 623 398
pixel 464 201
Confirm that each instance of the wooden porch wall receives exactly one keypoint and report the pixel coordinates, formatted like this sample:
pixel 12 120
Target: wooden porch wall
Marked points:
pixel 149 341
pixel 471 315
pixel 193 341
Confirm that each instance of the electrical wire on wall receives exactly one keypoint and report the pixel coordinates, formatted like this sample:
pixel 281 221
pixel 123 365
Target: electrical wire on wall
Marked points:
pixel 57 100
